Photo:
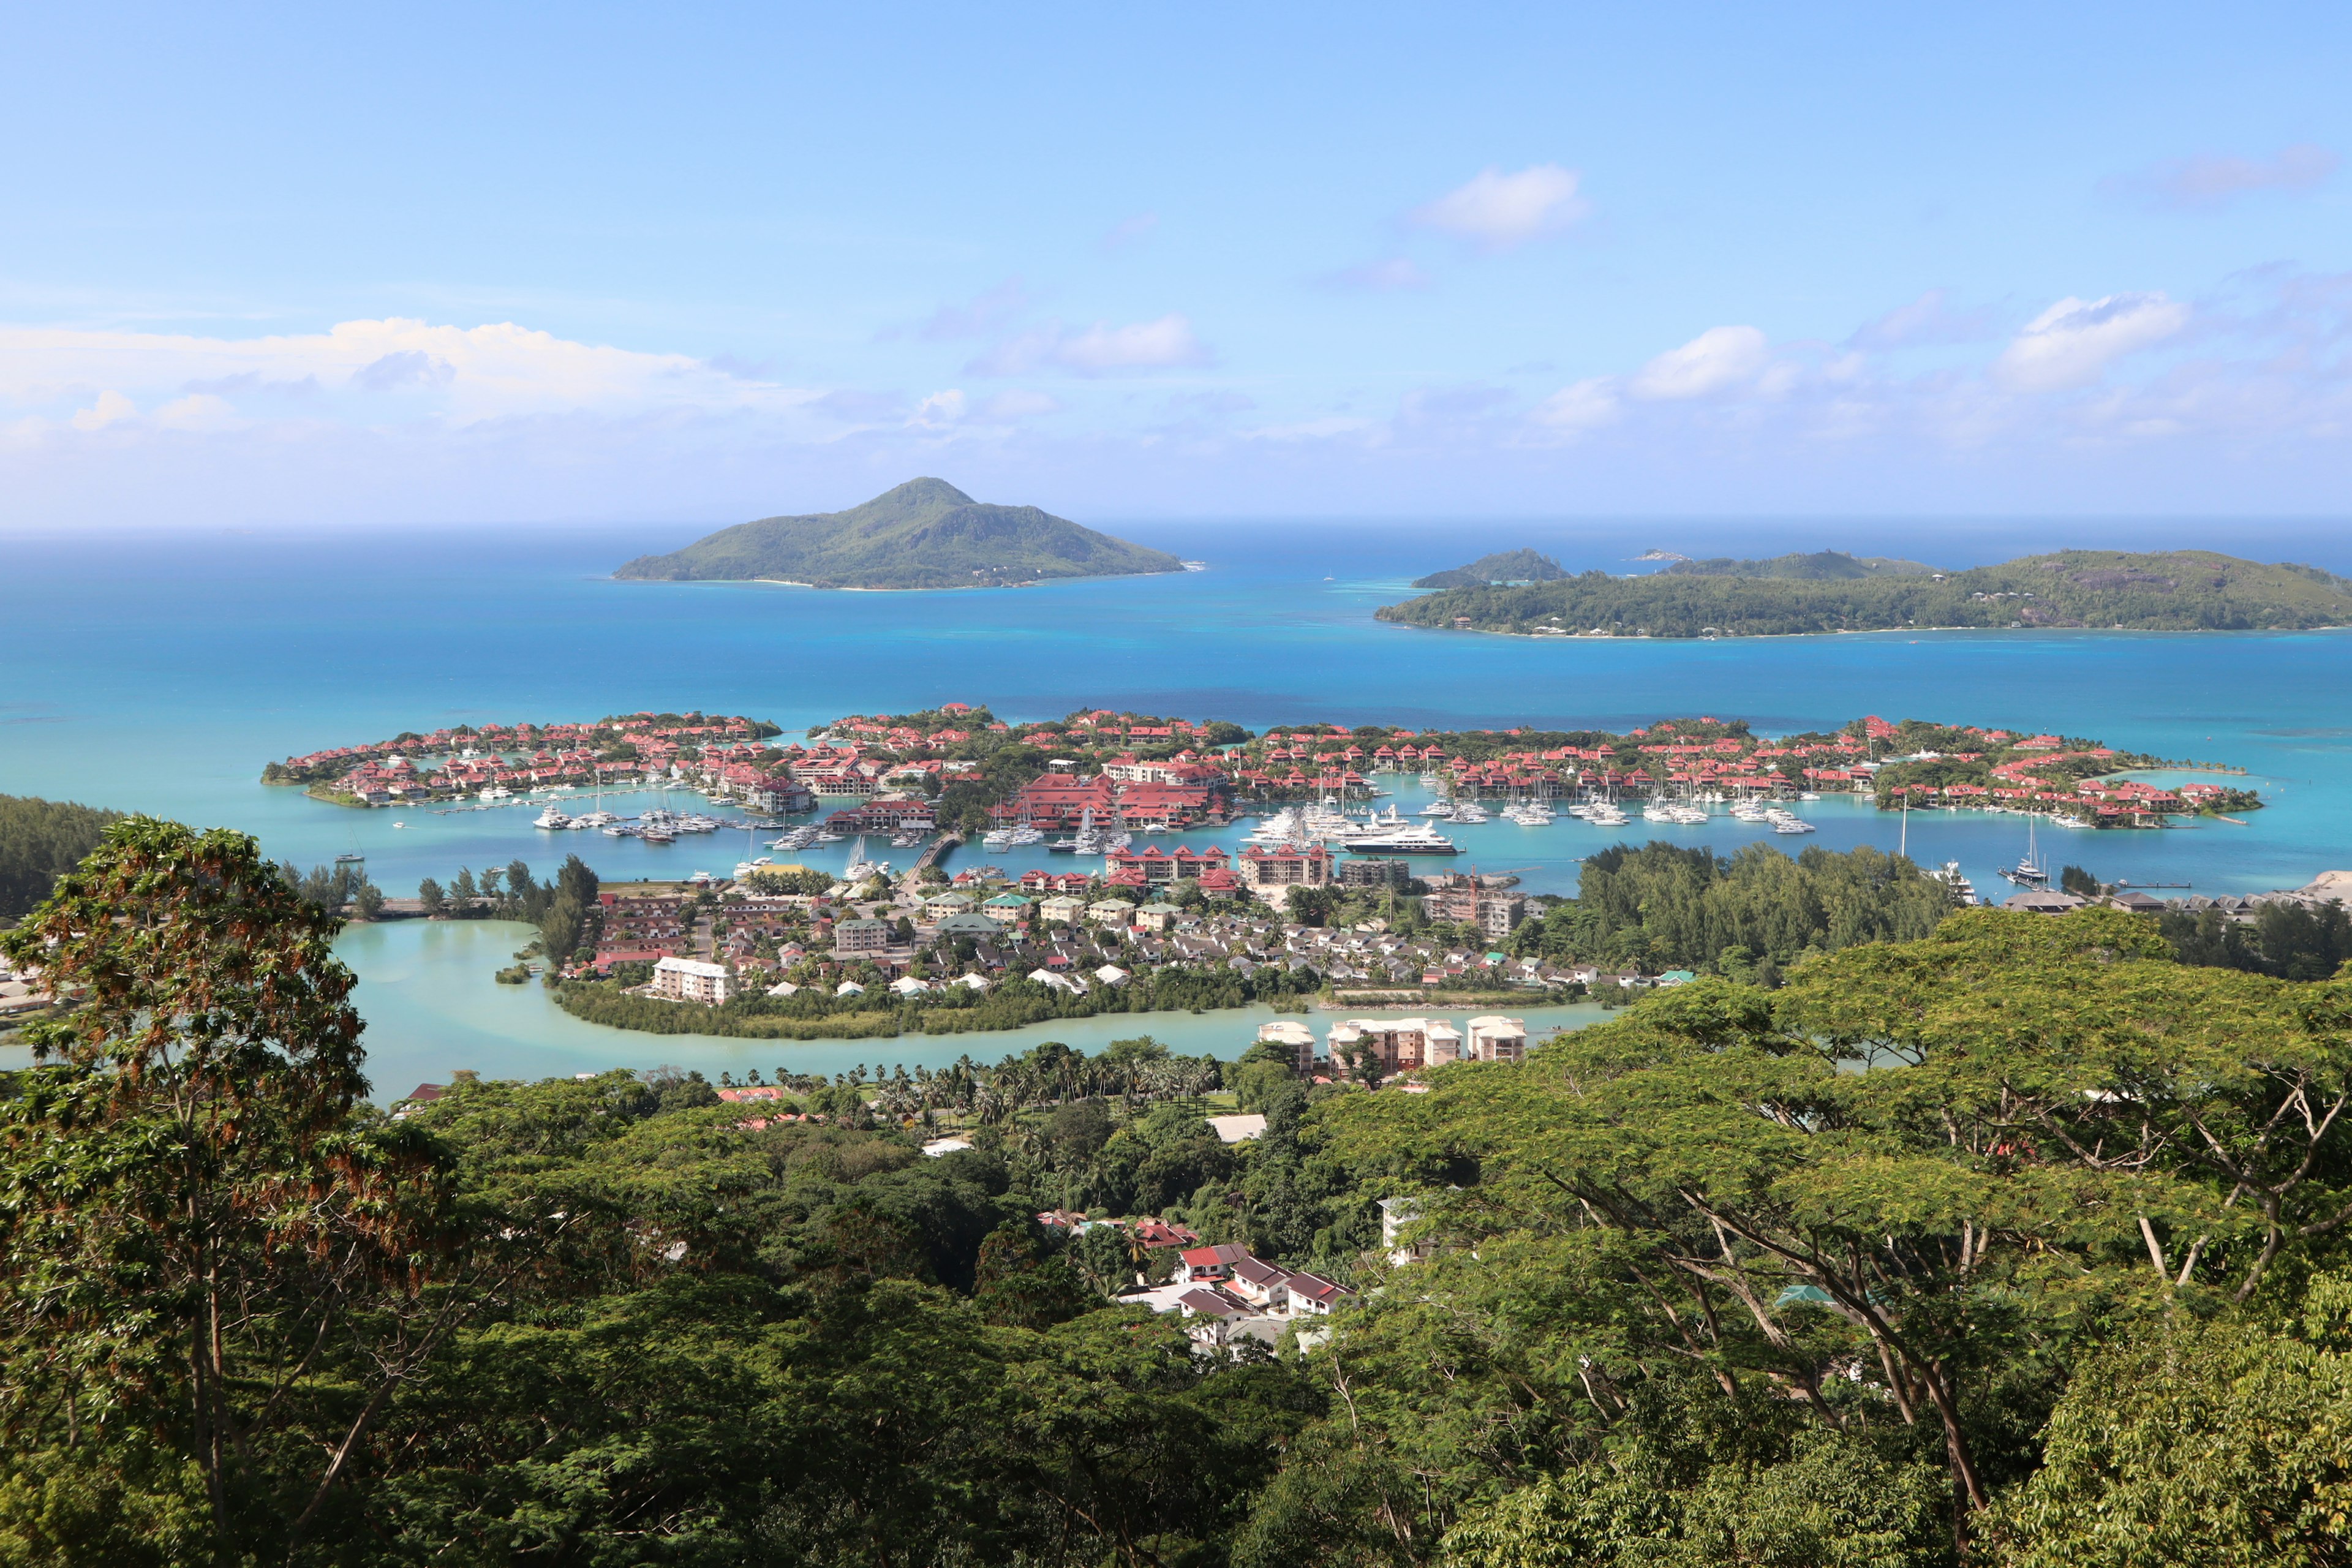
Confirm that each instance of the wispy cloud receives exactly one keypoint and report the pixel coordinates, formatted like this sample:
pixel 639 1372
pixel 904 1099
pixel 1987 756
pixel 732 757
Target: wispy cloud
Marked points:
pixel 2073 343
pixel 1101 349
pixel 984 314
pixel 447 372
pixel 2213 180
pixel 1384 276
pixel 1496 211
pixel 1931 319
pixel 1716 359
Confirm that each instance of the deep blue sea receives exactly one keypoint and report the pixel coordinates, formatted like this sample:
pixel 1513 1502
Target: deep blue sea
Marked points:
pixel 159 673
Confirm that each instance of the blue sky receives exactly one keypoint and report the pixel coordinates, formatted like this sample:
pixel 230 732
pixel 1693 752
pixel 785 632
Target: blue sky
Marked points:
pixel 346 266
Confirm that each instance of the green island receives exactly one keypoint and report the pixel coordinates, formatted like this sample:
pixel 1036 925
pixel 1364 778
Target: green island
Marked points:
pixel 1936 1255
pixel 2178 590
pixel 926 533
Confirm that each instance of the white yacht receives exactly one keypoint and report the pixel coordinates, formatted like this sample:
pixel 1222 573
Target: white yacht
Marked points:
pixel 860 869
pixel 1469 813
pixel 1285 826
pixel 552 819
pixel 745 868
pixel 1404 838
pixel 1964 893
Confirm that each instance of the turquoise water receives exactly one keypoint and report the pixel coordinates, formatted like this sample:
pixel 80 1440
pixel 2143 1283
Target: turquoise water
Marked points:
pixel 432 1007
pixel 160 675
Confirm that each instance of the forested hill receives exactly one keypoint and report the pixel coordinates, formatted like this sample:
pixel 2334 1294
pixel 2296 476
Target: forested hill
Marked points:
pixel 1821 565
pixel 924 534
pixel 2178 590
pixel 39 841
pixel 1505 567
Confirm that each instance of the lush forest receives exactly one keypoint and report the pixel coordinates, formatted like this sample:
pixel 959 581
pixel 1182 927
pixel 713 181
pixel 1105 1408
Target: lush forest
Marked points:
pixel 2178 590
pixel 1821 565
pixel 1751 915
pixel 2019 1244
pixel 1504 566
pixel 39 841
pixel 926 533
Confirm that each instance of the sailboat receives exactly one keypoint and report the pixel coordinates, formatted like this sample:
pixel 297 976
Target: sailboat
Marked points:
pixel 2029 872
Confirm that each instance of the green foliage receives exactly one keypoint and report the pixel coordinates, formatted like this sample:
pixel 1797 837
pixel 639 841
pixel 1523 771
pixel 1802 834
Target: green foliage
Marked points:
pixel 924 534
pixel 1662 907
pixel 2286 940
pixel 40 840
pixel 2220 1442
pixel 1821 565
pixel 2178 590
pixel 2019 1243
pixel 1504 566
pixel 790 880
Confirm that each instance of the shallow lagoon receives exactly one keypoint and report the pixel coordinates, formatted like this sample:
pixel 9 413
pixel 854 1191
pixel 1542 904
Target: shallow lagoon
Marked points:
pixel 432 1007
pixel 159 674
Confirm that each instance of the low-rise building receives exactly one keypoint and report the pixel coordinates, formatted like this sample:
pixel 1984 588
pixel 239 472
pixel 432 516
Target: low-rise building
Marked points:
pixel 862 936
pixel 1295 1035
pixel 691 980
pixel 1494 1039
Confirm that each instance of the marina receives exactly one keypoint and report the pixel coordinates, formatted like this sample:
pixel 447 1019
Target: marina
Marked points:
pixel 2274 704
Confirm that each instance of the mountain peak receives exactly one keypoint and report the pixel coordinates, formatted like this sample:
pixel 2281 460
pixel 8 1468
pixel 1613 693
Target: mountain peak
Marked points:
pixel 922 493
pixel 925 533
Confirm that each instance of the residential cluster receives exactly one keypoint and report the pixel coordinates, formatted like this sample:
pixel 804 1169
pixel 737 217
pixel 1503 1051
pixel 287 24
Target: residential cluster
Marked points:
pixel 1069 933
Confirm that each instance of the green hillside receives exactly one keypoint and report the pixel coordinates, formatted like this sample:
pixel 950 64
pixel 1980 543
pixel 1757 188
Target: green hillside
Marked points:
pixel 1820 566
pixel 40 840
pixel 1505 567
pixel 2178 590
pixel 924 534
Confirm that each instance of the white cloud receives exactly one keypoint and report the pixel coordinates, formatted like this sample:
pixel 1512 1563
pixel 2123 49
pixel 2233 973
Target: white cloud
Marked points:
pixel 1929 319
pixel 110 408
pixel 1578 407
pixel 1498 211
pixel 464 374
pixel 1099 349
pixel 199 411
pixel 946 410
pixel 1717 358
pixel 2214 180
pixel 1019 403
pixel 983 316
pixel 939 410
pixel 2073 342
pixel 1383 276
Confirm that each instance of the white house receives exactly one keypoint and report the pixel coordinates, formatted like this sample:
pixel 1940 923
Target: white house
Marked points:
pixel 691 980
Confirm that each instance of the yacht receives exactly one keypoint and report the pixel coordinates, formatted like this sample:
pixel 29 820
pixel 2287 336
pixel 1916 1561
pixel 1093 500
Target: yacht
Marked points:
pixel 2029 872
pixel 1469 813
pixel 1964 893
pixel 552 819
pixel 1406 838
pixel 860 869
pixel 745 868
pixel 1442 808
pixel 1285 826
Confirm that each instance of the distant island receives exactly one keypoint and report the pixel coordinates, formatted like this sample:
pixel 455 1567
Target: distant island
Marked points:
pixel 924 534
pixel 1506 566
pixel 2174 590
pixel 1820 566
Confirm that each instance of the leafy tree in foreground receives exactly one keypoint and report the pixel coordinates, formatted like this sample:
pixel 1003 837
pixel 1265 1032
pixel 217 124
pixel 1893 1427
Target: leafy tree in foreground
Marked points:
pixel 190 1217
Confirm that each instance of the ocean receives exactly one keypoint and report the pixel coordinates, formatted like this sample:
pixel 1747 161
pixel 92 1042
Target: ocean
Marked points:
pixel 159 672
